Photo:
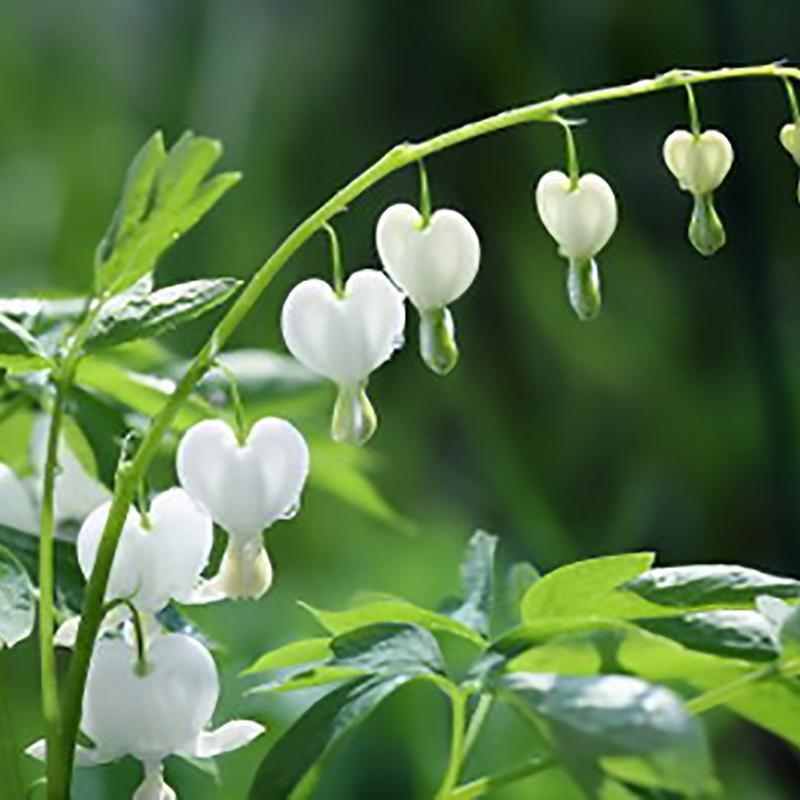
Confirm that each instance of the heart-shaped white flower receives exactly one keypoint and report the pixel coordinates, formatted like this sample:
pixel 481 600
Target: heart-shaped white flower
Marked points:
pixel 790 139
pixel 580 218
pixel 155 564
pixel 153 715
pixel 433 265
pixel 344 338
pixel 245 487
pixel 700 163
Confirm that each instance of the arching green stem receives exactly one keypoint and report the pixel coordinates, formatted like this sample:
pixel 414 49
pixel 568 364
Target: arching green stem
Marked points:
pixel 336 259
pixel 425 205
pixel 694 115
pixel 394 159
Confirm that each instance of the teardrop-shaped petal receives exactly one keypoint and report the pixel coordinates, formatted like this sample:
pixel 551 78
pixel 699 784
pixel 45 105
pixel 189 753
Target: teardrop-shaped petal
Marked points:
pixel 245 488
pixel 152 565
pixel 581 218
pixel 17 509
pixel 230 736
pixel 434 265
pixel 344 338
pixel 154 715
pixel 700 163
pixel 154 787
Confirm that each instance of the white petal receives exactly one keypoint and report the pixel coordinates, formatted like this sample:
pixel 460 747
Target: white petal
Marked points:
pixel 434 265
pixel 84 756
pixel 700 163
pixel 154 787
pixel 344 338
pixel 67 632
pixel 581 219
pixel 155 715
pixel 230 736
pixel 790 139
pixel 17 509
pixel 244 488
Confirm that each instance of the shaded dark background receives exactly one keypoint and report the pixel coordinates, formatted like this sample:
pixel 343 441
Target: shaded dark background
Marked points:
pixel 669 423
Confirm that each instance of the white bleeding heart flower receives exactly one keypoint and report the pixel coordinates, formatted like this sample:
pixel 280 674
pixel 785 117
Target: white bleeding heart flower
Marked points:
pixel 434 265
pixel 245 487
pixel 699 162
pixel 158 558
pixel 154 715
pixel 345 338
pixel 581 215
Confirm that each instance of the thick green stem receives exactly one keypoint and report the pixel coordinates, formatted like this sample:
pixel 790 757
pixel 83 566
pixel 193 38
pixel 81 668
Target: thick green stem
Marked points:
pixel 10 750
pixel 458 720
pixel 482 786
pixel 396 158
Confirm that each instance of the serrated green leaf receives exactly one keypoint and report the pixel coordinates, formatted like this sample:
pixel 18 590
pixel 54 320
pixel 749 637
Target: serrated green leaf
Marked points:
pixel 19 350
pixel 136 195
pixel 176 199
pixel 318 730
pixel 17 600
pixel 477 583
pixel 733 634
pixel 292 655
pixel 577 588
pixel 340 622
pixel 127 318
pixel 636 731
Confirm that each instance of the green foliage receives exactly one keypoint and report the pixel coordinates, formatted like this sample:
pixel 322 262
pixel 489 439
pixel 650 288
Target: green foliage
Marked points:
pixel 19 350
pixel 165 194
pixel 132 316
pixel 477 583
pixel 17 601
pixel 633 730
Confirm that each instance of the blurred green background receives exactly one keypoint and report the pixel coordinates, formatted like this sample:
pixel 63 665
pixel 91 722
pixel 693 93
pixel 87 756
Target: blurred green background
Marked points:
pixel 669 423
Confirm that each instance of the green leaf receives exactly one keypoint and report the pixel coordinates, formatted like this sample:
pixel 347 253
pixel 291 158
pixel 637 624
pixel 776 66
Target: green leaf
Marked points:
pixel 521 576
pixel 19 350
pixel 381 649
pixel 129 317
pixel 339 622
pixel 636 731
pixel 477 583
pixel 291 655
pixel 579 587
pixel 164 196
pixel 37 314
pixel 17 600
pixel 317 731
pixel 734 634
pixel 708 585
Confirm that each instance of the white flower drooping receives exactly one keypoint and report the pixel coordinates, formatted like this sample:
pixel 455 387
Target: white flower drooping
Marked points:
pixel 581 215
pixel 434 265
pixel 790 139
pixel 700 162
pixel 245 487
pixel 345 338
pixel 153 715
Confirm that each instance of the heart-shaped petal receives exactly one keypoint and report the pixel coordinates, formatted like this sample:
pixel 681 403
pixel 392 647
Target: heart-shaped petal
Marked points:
pixel 434 265
pixel 154 715
pixel 790 139
pixel 152 565
pixel 700 163
pixel 344 338
pixel 246 487
pixel 581 218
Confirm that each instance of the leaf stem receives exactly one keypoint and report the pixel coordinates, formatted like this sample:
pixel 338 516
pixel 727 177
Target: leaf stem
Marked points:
pixel 482 786
pixel 458 719
pixel 396 158
pixel 476 723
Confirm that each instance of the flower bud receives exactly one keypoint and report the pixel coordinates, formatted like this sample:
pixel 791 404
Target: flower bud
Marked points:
pixel 706 231
pixel 437 341
pixel 701 162
pixel 583 288
pixel 354 419
pixel 790 139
